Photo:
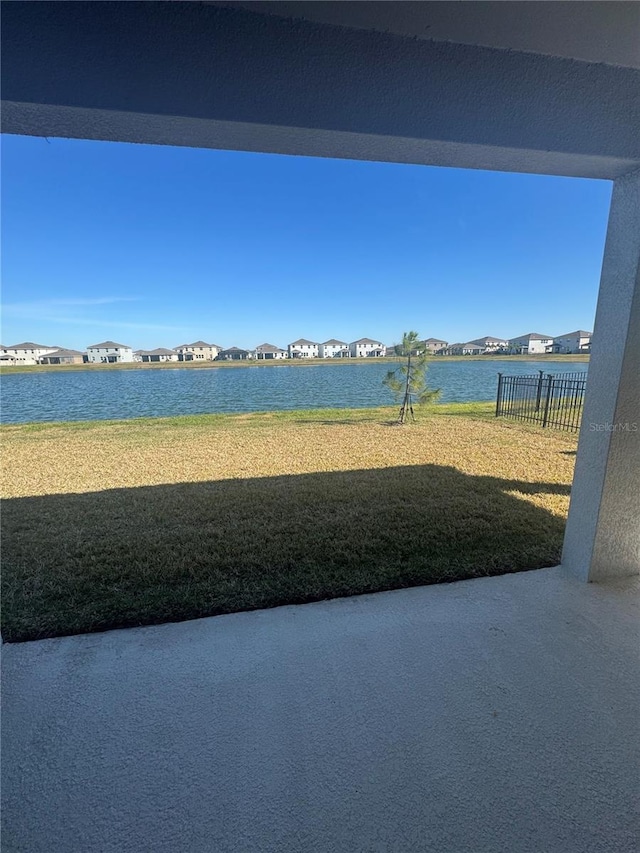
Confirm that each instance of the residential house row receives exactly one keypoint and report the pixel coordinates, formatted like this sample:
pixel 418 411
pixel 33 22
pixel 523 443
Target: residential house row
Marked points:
pixel 109 352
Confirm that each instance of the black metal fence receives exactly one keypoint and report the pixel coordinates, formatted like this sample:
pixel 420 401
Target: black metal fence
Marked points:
pixel 551 400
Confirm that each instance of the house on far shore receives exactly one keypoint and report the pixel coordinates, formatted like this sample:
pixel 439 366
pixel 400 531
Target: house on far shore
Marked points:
pixel 303 349
pixel 63 356
pixel 433 345
pixel 156 355
pixel 198 351
pixel 366 348
pixel 470 348
pixel 233 354
pixel 266 352
pixel 25 353
pixel 531 344
pixel 489 344
pixel 109 352
pixel 573 342
pixel 334 349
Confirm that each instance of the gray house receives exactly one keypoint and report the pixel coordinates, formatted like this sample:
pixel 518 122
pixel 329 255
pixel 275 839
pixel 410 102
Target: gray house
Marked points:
pixel 233 354
pixel 269 352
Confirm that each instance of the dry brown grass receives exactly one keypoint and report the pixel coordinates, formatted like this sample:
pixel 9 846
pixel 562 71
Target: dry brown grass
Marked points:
pixel 133 522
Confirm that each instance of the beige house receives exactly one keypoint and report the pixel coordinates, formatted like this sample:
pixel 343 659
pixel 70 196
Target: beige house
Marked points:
pixel 267 352
pixel 25 353
pixel 63 356
pixel 198 351
pixel 434 345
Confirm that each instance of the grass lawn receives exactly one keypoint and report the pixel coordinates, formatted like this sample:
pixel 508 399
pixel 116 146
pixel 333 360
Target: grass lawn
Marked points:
pixel 119 523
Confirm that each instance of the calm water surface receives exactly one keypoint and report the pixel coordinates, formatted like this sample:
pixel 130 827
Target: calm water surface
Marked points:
pixel 117 394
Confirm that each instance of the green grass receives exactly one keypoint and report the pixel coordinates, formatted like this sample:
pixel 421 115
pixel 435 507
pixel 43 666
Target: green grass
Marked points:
pixel 109 524
pixel 301 362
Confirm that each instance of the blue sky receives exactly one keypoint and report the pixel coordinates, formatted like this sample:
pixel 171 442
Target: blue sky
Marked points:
pixel 158 246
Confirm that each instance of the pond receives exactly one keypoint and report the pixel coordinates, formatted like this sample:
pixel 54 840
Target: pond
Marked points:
pixel 118 394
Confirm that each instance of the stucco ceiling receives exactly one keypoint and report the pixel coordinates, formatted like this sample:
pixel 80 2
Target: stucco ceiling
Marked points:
pixel 589 31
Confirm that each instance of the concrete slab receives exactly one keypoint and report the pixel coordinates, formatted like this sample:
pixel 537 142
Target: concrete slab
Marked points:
pixel 491 715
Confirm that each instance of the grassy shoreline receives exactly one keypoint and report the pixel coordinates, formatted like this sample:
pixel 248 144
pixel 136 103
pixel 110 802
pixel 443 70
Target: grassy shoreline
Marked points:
pixel 111 524
pixel 299 363
pixel 372 415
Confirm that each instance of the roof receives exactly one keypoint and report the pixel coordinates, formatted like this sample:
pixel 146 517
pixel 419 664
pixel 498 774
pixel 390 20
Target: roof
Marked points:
pixel 434 341
pixel 235 349
pixel 28 345
pixel 368 341
pixel 108 345
pixel 335 343
pixel 60 353
pixel 488 339
pixel 578 333
pixel 158 351
pixel 268 348
pixel 532 336
pixel 304 341
pixel 199 344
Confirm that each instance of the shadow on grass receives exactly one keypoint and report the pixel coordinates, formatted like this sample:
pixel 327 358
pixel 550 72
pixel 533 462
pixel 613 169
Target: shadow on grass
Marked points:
pixel 88 562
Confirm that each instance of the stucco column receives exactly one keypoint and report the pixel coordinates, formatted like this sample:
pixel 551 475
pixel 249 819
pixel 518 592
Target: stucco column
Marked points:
pixel 602 538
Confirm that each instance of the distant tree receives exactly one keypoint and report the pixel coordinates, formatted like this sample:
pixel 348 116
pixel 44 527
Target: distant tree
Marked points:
pixel 408 383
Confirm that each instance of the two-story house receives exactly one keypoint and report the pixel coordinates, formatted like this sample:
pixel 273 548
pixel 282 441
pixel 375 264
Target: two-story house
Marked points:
pixel 303 348
pixel 198 351
pixel 573 342
pixel 433 345
pixel 25 353
pixel 269 352
pixel 109 352
pixel 531 344
pixel 366 348
pixel 334 348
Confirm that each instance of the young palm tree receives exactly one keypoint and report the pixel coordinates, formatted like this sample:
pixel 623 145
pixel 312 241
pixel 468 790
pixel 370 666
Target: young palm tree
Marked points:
pixel 409 381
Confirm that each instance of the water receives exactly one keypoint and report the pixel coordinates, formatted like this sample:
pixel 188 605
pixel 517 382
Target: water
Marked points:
pixel 117 394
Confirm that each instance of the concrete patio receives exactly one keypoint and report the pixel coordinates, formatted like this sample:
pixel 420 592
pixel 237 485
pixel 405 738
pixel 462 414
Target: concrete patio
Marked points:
pixel 492 715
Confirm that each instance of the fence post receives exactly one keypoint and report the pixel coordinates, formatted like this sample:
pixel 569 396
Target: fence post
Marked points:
pixel 539 394
pixel 545 417
pixel 499 397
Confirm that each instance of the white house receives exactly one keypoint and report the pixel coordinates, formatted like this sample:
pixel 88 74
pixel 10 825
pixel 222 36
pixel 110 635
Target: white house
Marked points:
pixel 269 352
pixel 366 348
pixel 303 348
pixel 109 352
pixel 198 351
pixel 334 349
pixel 490 344
pixel 573 342
pixel 156 355
pixel 531 344
pixel 25 353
